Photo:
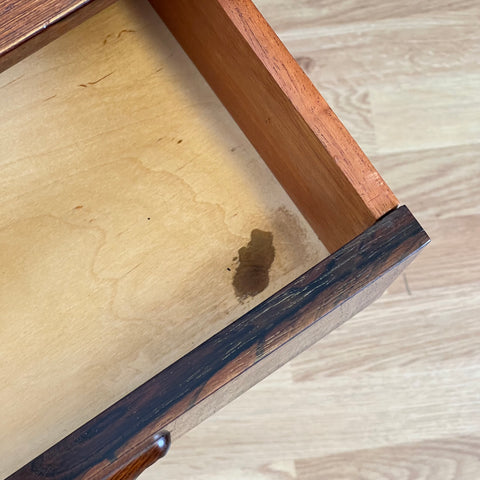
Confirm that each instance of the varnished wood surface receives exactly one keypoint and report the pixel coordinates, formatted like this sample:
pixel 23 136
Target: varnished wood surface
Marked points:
pixel 27 25
pixel 126 194
pixel 145 459
pixel 394 393
pixel 237 357
pixel 292 127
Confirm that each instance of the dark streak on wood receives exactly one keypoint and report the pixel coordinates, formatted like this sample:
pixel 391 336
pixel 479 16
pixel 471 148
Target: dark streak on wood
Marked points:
pixel 238 356
pixel 28 25
pixel 96 81
pixel 13 81
pixel 407 288
pixel 119 34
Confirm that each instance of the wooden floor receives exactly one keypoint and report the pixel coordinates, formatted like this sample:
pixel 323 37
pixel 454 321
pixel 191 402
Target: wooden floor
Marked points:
pixel 395 393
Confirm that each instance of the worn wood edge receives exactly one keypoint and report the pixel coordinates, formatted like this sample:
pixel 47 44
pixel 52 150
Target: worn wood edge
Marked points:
pixel 147 457
pixel 285 352
pixel 48 26
pixel 239 356
pixel 283 115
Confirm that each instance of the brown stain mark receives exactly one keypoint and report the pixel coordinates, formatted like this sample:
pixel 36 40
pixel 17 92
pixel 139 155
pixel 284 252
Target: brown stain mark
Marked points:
pixel 96 81
pixel 49 98
pixel 255 260
pixel 179 141
pixel 78 207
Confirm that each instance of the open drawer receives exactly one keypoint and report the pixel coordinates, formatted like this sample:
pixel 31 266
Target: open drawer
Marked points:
pixel 153 266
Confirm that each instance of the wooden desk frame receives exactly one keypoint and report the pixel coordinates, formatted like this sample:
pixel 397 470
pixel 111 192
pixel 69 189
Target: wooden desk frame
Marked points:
pixel 322 169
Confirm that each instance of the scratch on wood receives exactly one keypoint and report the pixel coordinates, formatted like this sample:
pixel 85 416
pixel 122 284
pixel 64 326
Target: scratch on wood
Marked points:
pixel 124 31
pixel 132 269
pixel 12 81
pixel 106 38
pixel 96 81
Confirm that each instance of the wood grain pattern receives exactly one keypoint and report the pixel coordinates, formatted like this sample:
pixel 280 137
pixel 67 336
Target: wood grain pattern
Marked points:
pixel 395 392
pixel 26 26
pixel 126 192
pixel 374 61
pixel 456 458
pixel 237 357
pixel 292 127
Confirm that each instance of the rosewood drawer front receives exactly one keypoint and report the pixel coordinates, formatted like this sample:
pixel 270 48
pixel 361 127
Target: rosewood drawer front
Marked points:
pixel 162 253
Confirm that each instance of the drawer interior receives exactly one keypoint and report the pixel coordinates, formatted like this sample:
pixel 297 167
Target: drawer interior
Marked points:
pixel 127 191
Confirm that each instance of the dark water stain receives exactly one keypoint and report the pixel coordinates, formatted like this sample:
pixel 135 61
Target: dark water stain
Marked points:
pixel 254 262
